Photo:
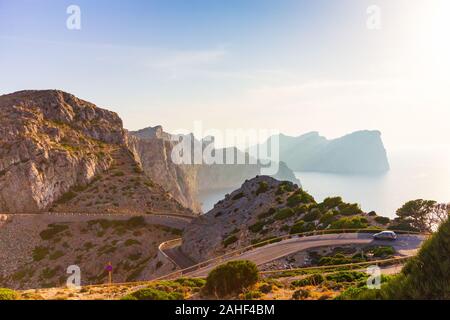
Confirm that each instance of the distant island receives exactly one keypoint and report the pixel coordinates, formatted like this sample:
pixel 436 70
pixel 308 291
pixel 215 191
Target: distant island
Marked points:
pixel 361 152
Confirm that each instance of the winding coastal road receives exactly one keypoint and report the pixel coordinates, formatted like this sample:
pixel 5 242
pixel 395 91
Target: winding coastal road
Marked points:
pixel 405 245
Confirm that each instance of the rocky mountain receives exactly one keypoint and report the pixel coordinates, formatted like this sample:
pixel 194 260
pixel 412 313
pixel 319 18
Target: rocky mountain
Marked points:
pixel 360 152
pixel 185 181
pixel 264 208
pixel 59 152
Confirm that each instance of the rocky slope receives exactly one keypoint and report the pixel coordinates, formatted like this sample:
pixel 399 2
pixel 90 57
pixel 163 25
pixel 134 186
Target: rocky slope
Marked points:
pixel 264 208
pixel 356 153
pixel 55 149
pixel 35 251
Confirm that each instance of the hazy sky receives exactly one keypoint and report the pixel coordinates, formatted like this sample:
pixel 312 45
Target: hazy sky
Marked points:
pixel 291 65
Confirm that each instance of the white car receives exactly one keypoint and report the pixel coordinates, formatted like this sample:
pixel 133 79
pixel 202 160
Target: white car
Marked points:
pixel 385 235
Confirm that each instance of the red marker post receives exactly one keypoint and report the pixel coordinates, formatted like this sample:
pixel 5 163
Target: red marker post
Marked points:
pixel 109 269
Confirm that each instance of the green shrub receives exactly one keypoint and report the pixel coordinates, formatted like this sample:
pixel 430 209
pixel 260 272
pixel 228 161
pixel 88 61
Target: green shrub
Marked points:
pixel 257 227
pixel 311 280
pixel 331 202
pixel 66 197
pixel 350 223
pixel 55 255
pixel 284 214
pixel 285 186
pixel 252 295
pixel 336 260
pixel 301 294
pixel 294 200
pixel 131 242
pixel 153 294
pixel 118 174
pixel 350 276
pixel 311 216
pixel 349 209
pixel 191 282
pixel 382 220
pixel 40 253
pixel 301 209
pixel 263 187
pixel 300 227
pixel 230 278
pixel 403 226
pixel 229 240
pixel 136 222
pixel 8 294
pixel 52 231
pixel 327 218
pixel 266 288
pixel 266 214
pixel 383 251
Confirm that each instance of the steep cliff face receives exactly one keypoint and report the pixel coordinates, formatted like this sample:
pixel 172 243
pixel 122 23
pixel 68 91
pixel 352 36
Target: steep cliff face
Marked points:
pixel 153 149
pixel 62 153
pixel 51 141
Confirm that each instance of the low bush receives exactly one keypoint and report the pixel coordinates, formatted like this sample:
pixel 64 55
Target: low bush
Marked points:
pixel 40 253
pixel 52 231
pixel 301 294
pixel 349 209
pixel 231 278
pixel 327 218
pixel 8 294
pixel 257 227
pixel 301 226
pixel 331 202
pixel 153 294
pixel 252 295
pixel 284 214
pixel 263 187
pixel 383 251
pixel 312 215
pixel 351 276
pixel 229 240
pixel 312 280
pixel 266 288
pixel 350 223
pixel 267 214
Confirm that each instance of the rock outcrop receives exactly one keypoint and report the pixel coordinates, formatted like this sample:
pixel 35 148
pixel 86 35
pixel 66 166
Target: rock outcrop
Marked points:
pixel 56 149
pixel 153 149
pixel 265 208
pixel 361 152
pixel 51 141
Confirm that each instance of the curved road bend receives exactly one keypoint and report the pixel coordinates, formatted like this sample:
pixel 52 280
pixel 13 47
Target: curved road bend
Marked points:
pixel 405 245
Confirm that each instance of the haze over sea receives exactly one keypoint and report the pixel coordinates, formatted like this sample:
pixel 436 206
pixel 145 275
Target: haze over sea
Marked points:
pixel 414 174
